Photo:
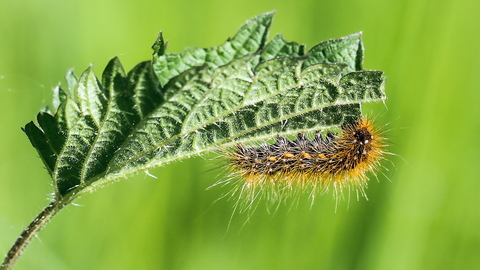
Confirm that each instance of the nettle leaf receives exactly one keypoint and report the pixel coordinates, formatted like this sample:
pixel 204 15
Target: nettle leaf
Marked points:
pixel 185 104
pixel 348 50
pixel 200 100
pixel 250 38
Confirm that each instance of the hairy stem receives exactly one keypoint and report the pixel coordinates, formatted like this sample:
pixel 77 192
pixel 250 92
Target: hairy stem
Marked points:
pixel 27 235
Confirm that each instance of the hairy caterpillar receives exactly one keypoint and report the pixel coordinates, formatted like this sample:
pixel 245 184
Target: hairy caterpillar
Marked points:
pixel 290 166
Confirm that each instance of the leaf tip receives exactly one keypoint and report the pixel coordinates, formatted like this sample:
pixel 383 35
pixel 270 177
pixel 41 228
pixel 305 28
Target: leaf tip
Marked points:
pixel 58 97
pixel 271 13
pixel 114 64
pixel 159 46
pixel 115 60
pixel 88 70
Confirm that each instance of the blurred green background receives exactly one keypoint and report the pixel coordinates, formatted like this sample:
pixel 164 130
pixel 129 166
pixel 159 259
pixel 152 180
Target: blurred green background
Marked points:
pixel 427 217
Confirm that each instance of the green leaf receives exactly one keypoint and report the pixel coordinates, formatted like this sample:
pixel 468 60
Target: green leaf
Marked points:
pixel 186 104
pixel 279 47
pixel 348 50
pixel 250 38
pixel 58 97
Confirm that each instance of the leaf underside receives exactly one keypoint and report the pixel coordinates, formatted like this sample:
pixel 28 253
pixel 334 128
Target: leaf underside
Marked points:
pixel 179 105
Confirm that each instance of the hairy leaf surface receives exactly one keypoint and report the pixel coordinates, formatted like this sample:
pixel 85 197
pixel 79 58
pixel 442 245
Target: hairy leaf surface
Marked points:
pixel 179 105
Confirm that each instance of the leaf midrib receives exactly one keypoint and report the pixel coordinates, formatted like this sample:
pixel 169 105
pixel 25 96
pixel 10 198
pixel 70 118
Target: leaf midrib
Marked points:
pixel 213 120
pixel 223 142
pixel 174 137
pixel 232 138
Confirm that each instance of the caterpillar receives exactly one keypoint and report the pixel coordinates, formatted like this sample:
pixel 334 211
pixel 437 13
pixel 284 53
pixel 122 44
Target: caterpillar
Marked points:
pixel 279 170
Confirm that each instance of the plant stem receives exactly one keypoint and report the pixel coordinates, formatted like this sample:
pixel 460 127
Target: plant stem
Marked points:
pixel 24 239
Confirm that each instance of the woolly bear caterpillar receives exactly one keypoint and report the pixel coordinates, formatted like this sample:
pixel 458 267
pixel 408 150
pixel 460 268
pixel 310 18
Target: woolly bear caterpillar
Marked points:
pixel 287 167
